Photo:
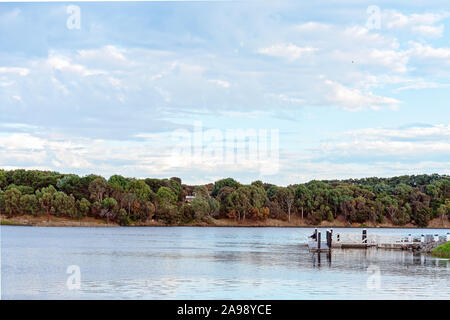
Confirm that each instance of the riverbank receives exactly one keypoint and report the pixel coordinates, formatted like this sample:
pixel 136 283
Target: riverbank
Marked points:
pixel 41 221
pixel 443 251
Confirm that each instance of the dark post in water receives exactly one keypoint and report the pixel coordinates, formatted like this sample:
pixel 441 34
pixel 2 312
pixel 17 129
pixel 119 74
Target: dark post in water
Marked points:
pixel 364 236
pixel 329 238
pixel 318 240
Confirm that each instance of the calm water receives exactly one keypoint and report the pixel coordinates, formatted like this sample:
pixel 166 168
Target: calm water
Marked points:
pixel 209 263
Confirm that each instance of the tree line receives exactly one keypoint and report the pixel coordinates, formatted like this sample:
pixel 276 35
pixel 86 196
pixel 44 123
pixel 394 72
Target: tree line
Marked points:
pixel 407 199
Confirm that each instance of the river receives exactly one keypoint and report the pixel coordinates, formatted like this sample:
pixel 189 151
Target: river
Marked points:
pixel 208 263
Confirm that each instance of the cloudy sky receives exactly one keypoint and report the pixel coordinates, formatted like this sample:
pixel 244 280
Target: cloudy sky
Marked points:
pixel 343 89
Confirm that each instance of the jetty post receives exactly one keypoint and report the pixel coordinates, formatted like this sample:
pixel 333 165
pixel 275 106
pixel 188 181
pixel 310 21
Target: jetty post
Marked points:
pixel 318 240
pixel 422 238
pixel 448 236
pixel 410 238
pixel 436 238
pixel 364 236
pixel 330 238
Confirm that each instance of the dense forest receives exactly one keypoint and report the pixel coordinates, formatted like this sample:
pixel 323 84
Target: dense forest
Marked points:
pixel 400 200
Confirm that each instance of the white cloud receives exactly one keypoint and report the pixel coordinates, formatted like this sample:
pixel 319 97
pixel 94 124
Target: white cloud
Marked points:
pixel 62 63
pixel 414 142
pixel 418 84
pixel 21 141
pixel 328 170
pixel 422 24
pixel 107 52
pixel 429 31
pixel 313 26
pixel 353 99
pixel 438 132
pixel 428 52
pixel 14 70
pixel 220 83
pixel 288 51
pixel 286 98
pixel 390 60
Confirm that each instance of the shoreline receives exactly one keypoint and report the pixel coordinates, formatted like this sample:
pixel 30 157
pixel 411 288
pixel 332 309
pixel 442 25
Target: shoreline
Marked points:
pixel 89 222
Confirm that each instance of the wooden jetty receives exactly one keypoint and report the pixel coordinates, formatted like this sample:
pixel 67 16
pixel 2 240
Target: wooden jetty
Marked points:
pixel 316 244
pixel 313 247
pixel 365 241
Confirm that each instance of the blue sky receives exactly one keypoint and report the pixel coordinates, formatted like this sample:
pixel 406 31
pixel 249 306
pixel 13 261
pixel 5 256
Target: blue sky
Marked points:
pixel 351 92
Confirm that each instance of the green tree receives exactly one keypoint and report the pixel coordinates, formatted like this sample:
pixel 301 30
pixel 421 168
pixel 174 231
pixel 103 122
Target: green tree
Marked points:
pixel 258 183
pixel 68 184
pixel 223 198
pixel 201 208
pixel 240 202
pixel 140 189
pixel 201 192
pixel 3 180
pixel 166 196
pixel 30 204
pixel 175 185
pixel 168 213
pixel 63 205
pixel 124 219
pixel 422 216
pixel 118 182
pixel 257 195
pixel 83 207
pixel 443 210
pixel 154 184
pixel 12 201
pixel 272 193
pixel 286 199
pixel 214 207
pixel 45 180
pixel 109 209
pixel 303 198
pixel 228 182
pixel 46 198
pixel 98 188
pixel 2 202
pixel 142 210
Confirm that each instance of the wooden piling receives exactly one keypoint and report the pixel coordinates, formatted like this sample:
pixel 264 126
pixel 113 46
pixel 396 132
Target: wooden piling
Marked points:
pixel 329 238
pixel 318 240
pixel 364 236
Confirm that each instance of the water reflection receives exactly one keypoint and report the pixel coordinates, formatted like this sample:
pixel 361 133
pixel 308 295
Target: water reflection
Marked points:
pixel 208 263
pixel 317 259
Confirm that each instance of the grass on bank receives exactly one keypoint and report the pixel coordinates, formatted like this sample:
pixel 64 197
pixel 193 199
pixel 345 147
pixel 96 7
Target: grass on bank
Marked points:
pixel 443 251
pixel 9 223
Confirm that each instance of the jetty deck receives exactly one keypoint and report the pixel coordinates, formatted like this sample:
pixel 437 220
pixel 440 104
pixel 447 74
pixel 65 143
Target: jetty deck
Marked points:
pixel 424 243
pixel 313 247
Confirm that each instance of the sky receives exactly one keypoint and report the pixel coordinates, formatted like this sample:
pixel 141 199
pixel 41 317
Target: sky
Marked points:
pixel 279 91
